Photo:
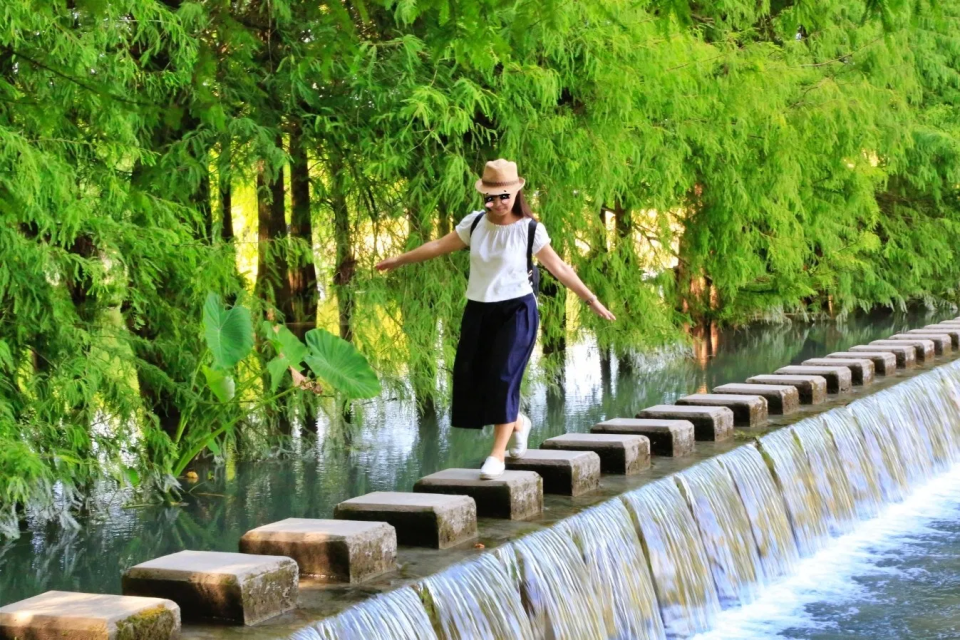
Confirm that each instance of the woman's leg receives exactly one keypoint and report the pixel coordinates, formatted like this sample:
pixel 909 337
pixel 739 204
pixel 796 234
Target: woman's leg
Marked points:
pixel 501 437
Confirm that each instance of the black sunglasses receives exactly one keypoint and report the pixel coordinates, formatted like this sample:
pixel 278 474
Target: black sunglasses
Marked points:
pixel 502 196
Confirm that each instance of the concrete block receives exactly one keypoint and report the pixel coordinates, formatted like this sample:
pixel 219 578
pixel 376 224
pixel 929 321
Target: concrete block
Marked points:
pixel 331 551
pixel 709 423
pixel 568 473
pixel 63 615
pixel 862 369
pixel 212 585
pixel 839 379
pixel 924 349
pixel 748 411
pixel 950 330
pixel 884 362
pixel 671 438
pixel 430 520
pixel 905 354
pixel 516 495
pixel 620 454
pixel 812 389
pixel 781 398
pixel 942 343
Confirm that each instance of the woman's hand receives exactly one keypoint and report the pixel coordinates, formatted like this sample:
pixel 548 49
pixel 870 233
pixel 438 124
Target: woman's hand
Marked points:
pixel 597 307
pixel 389 264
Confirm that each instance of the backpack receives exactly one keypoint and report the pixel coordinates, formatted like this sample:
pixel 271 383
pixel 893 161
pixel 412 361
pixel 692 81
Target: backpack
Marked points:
pixel 533 273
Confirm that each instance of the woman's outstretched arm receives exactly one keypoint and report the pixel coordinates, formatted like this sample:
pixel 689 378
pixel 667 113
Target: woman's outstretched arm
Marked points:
pixel 433 249
pixel 569 278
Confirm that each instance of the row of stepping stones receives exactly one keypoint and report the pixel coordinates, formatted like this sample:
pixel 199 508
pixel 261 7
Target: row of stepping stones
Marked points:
pixel 361 541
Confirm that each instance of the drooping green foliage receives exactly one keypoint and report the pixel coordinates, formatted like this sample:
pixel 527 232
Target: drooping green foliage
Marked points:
pixel 695 162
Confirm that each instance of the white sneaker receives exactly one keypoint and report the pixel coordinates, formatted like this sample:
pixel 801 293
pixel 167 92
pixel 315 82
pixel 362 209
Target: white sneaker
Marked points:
pixel 520 437
pixel 492 468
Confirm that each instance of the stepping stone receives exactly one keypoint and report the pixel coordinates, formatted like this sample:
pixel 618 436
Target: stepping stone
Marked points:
pixel 884 362
pixel 709 423
pixel 812 389
pixel 330 550
pixel 861 368
pixel 63 615
pixel 619 454
pixel 430 520
pixel 748 411
pixel 516 495
pixel 951 332
pixel 923 348
pixel 838 378
pixel 213 585
pixel 568 473
pixel 905 354
pixel 942 343
pixel 671 438
pixel 780 398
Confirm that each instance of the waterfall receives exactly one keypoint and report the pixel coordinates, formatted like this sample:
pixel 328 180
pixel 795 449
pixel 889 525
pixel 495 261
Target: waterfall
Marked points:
pixel 795 480
pixel 661 561
pixel 765 509
pixel 558 590
pixel 476 599
pixel 614 557
pixel 725 531
pixel 396 615
pixel 681 572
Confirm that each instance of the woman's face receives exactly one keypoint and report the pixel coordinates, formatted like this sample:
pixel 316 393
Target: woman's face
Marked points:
pixel 499 203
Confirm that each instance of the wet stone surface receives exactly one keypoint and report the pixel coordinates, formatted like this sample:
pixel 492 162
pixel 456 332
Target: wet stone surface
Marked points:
pixel 712 424
pixel 884 363
pixel 569 473
pixel 861 369
pixel 329 551
pixel 619 454
pixel 839 379
pixel 811 389
pixel 213 585
pixel 517 495
pixel 906 355
pixel 748 410
pixel 62 615
pixel 925 350
pixel 671 438
pixel 781 399
pixel 421 519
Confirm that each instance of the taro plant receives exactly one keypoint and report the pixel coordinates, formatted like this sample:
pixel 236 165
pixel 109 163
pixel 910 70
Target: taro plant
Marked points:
pixel 333 367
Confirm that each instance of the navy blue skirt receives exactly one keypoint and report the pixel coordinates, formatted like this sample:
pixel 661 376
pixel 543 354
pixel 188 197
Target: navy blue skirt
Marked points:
pixel 496 340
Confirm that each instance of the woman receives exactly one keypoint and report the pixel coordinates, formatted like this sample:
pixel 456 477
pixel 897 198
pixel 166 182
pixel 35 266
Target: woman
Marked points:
pixel 499 326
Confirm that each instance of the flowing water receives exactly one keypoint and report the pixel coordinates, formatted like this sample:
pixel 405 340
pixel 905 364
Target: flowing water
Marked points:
pixel 737 544
pixel 792 538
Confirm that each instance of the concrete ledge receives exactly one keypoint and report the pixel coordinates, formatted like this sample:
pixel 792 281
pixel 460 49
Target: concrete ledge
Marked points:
pixel 330 550
pixel 421 519
pixel 781 399
pixel 63 615
pixel 516 495
pixel 839 379
pixel 884 363
pixel 862 369
pixel 619 454
pixel 709 423
pixel 811 389
pixel 924 349
pixel 671 438
pixel 568 473
pixel 748 411
pixel 212 585
pixel 952 331
pixel 905 354
pixel 942 343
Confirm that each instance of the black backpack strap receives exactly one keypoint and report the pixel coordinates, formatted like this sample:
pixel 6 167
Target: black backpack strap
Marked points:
pixel 532 232
pixel 476 221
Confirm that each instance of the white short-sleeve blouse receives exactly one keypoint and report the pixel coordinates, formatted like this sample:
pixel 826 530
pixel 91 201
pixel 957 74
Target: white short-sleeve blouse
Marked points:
pixel 498 257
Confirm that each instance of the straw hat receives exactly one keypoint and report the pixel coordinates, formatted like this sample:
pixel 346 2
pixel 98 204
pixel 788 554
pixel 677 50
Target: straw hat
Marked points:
pixel 499 176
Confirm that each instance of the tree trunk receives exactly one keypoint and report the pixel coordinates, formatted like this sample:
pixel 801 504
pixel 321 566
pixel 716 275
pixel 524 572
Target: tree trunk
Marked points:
pixel 303 274
pixel 273 283
pixel 226 190
pixel 420 323
pixel 346 262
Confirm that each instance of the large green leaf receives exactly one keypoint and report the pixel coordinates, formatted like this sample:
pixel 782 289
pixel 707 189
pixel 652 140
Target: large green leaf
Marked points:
pixel 290 352
pixel 340 365
pixel 220 383
pixel 229 332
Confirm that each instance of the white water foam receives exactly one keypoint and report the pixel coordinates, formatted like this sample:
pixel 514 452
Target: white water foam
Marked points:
pixel 830 574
